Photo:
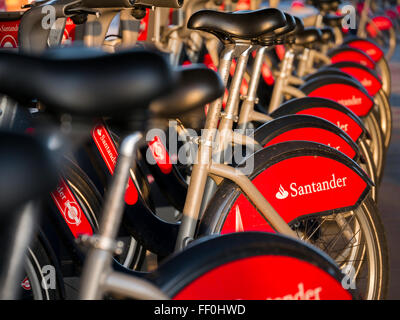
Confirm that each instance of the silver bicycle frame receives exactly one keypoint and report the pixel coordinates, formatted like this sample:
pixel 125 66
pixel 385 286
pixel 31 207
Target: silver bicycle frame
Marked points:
pixel 98 278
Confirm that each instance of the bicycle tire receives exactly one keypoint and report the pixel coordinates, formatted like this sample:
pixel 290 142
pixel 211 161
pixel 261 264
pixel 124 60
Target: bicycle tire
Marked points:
pixel 32 287
pixel 244 266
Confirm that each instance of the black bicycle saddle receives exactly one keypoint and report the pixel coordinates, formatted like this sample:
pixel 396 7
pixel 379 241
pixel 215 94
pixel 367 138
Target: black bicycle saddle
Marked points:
pixel 247 25
pixel 291 36
pixel 308 36
pixel 332 20
pixel 279 36
pixel 197 86
pixel 115 85
pixel 289 27
pixel 327 34
pixel 27 171
pixel 326 5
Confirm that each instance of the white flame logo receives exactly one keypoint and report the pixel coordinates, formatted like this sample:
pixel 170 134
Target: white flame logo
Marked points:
pixel 282 193
pixel 72 213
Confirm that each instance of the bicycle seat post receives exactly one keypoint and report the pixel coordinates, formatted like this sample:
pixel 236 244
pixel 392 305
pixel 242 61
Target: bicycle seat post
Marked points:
pixel 104 245
pixel 247 113
pixel 280 81
pixel 197 185
pixel 229 115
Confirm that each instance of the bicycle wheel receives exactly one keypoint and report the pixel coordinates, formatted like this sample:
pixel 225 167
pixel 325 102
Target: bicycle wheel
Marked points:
pixel 251 265
pixel 376 143
pixel 41 281
pixel 354 238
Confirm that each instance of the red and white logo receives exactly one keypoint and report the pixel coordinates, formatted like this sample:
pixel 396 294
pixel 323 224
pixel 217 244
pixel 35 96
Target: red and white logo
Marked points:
pixel 25 284
pixel 72 213
pixel 109 154
pixel 70 209
pixel 160 155
pixel 313 187
pixel 9 34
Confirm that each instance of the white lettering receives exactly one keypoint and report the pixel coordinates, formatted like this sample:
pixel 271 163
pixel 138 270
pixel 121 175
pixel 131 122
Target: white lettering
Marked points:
pixel 314 187
pixel 301 294
pixel 353 101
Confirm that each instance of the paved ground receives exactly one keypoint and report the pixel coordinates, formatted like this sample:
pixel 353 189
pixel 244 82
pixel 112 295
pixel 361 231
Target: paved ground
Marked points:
pixel 389 193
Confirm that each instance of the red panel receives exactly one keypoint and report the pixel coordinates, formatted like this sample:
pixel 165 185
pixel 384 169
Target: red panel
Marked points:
pixel 143 27
pixel 9 34
pixel 346 95
pixel 69 32
pixel 338 118
pixel 316 135
pixel 280 51
pixel 381 22
pixel 109 154
pixel 267 277
pixel 374 52
pixel 243 5
pixel 297 4
pixel 296 187
pixel 70 210
pixel 353 57
pixel 160 154
pixel 267 74
pixel 369 82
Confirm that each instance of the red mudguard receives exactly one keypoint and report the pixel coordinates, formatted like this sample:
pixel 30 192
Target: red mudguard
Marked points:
pixel 297 187
pixel 319 135
pixel 368 47
pixel 353 56
pixel 70 209
pixel 109 153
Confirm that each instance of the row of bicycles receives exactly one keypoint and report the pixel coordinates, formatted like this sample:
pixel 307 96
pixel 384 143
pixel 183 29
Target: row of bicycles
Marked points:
pixel 264 136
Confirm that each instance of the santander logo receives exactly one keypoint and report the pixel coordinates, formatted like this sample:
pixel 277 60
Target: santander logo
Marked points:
pixel 72 213
pixel 25 284
pixel 313 187
pixel 70 209
pixel 282 193
pixel 158 151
